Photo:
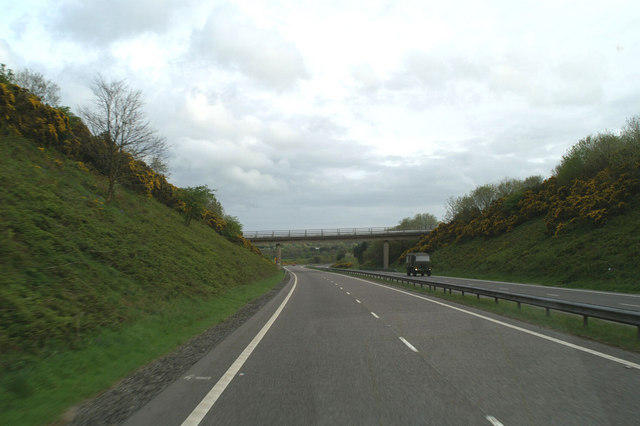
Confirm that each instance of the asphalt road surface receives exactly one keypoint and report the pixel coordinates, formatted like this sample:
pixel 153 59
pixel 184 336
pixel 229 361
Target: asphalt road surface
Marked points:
pixel 333 349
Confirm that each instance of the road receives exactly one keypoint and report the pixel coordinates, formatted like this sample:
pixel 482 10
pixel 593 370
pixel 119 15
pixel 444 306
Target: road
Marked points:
pixel 341 350
pixel 593 297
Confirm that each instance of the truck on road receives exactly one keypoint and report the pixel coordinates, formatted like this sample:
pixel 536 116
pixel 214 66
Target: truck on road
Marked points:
pixel 418 263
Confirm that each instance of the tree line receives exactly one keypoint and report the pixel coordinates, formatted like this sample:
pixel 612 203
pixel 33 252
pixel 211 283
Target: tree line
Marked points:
pixel 369 253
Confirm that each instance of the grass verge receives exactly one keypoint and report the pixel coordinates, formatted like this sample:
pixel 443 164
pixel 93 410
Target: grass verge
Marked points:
pixel 43 389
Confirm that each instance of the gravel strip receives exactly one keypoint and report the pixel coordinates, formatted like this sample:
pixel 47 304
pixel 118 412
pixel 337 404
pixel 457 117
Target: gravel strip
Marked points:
pixel 117 404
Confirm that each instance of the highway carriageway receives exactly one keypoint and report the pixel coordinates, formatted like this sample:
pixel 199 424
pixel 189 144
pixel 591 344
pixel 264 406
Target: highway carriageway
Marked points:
pixel 617 307
pixel 339 349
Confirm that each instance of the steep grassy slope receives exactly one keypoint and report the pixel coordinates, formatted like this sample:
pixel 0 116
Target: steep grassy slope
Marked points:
pixel 604 258
pixel 73 268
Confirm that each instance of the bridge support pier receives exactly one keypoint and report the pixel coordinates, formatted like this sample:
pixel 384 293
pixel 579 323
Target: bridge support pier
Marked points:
pixel 278 254
pixel 385 255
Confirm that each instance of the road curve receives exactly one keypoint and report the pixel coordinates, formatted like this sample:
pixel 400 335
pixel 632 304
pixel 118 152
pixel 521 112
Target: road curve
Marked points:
pixel 346 351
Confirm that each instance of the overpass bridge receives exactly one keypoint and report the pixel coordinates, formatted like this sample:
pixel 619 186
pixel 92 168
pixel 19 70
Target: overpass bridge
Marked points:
pixel 339 234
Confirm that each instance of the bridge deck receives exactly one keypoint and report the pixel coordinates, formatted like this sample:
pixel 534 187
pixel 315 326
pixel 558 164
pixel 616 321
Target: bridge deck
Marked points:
pixel 333 234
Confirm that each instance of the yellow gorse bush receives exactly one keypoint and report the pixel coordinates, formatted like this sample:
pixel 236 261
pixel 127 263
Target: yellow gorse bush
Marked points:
pixel 585 202
pixel 23 114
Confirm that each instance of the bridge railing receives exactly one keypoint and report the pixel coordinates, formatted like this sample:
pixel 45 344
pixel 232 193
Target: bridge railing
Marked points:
pixel 335 232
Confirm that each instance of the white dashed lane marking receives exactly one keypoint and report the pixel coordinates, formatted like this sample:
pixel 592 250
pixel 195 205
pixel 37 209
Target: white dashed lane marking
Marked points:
pixel 493 421
pixel 409 345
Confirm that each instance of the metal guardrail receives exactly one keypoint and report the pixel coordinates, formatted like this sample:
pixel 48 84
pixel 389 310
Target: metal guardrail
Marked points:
pixel 623 316
pixel 321 233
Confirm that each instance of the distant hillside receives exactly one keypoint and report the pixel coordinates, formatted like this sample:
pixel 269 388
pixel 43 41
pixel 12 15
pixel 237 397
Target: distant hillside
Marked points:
pixel 579 228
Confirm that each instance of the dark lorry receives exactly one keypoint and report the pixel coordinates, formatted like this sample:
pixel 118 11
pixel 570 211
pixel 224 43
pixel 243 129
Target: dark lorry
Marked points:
pixel 418 263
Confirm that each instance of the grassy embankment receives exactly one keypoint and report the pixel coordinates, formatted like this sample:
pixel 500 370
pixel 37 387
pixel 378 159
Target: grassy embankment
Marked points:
pixel 89 292
pixel 603 258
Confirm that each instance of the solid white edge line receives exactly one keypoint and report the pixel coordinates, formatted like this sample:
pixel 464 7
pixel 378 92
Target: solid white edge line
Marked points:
pixel 494 421
pixel 207 402
pixel 374 314
pixel 409 345
pixel 515 327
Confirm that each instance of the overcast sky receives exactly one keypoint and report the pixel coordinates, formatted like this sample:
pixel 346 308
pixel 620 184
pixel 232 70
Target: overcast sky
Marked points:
pixel 326 114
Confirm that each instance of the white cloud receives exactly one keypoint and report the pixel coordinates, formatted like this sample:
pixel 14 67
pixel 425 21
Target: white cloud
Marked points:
pixel 346 113
pixel 102 22
pixel 233 41
pixel 6 53
pixel 366 79
pixel 256 180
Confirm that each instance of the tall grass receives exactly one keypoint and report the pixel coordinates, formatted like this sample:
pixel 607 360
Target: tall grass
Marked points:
pixel 600 259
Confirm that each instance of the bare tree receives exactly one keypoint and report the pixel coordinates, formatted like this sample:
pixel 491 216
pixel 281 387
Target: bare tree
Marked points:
pixel 6 74
pixel 116 116
pixel 159 166
pixel 46 90
pixel 419 221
